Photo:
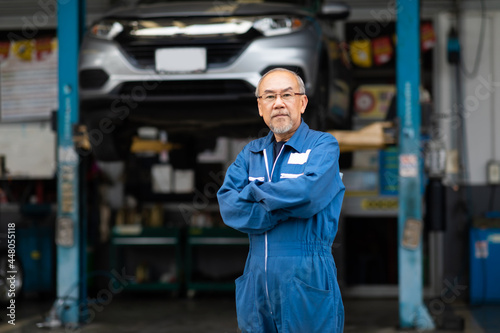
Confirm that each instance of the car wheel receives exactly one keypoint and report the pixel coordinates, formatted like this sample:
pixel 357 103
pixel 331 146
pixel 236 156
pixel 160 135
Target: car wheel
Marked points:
pixel 108 149
pixel 111 143
pixel 5 283
pixel 315 115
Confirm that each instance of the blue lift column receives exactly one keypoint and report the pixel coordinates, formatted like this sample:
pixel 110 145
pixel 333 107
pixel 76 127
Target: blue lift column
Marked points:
pixel 69 236
pixel 412 311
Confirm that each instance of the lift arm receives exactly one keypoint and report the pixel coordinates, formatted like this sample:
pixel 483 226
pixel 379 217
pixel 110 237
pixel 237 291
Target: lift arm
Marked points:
pixel 374 136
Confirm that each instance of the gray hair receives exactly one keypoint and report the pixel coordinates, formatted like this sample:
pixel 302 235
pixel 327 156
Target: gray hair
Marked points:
pixel 302 87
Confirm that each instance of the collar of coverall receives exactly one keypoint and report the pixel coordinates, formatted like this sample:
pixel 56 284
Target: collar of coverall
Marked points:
pixel 296 141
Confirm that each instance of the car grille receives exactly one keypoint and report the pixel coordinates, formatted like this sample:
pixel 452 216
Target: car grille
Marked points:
pixel 218 52
pixel 189 89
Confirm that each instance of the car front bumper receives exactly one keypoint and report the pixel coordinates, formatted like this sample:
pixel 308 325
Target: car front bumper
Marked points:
pixel 235 81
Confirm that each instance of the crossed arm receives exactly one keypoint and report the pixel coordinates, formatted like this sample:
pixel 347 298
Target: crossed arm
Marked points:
pixel 256 207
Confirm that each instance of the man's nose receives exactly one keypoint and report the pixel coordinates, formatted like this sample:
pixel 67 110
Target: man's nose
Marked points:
pixel 279 100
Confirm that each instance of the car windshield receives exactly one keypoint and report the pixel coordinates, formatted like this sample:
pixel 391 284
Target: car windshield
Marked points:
pixel 293 2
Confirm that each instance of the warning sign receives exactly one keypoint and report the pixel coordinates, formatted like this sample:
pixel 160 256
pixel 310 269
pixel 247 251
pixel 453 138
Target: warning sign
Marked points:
pixel 408 165
pixel 412 233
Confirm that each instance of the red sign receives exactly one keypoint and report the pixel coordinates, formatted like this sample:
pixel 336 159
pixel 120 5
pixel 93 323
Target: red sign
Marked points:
pixel 4 50
pixel 382 50
pixel 43 47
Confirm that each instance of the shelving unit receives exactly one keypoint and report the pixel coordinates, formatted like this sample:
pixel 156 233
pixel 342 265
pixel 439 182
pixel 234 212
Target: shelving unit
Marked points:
pixel 368 265
pixel 153 256
pixel 201 241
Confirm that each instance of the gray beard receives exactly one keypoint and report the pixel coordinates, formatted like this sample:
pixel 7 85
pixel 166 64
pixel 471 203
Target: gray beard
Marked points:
pixel 282 129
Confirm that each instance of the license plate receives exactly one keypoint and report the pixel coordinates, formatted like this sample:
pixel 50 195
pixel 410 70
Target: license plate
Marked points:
pixel 181 59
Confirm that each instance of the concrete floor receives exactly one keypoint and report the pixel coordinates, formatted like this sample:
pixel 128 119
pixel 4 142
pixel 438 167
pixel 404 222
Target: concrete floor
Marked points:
pixel 216 314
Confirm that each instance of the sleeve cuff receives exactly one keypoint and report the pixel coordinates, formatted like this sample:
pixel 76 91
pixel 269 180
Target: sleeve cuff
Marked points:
pixel 246 194
pixel 278 215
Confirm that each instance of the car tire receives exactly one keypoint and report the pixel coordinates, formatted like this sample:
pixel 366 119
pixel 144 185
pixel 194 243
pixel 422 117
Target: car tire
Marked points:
pixel 107 150
pixel 110 145
pixel 316 114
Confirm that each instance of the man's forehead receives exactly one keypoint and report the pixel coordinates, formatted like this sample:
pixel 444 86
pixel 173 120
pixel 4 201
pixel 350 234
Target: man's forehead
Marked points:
pixel 279 81
pixel 280 89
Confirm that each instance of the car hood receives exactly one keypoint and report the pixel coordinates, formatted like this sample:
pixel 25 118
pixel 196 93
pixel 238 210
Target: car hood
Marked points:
pixel 205 9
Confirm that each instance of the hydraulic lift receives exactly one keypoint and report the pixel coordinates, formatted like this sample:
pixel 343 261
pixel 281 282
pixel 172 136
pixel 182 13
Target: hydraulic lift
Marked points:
pixel 70 236
pixel 412 311
pixel 70 305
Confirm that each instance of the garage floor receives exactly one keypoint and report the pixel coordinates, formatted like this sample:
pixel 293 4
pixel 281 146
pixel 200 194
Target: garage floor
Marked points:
pixel 216 314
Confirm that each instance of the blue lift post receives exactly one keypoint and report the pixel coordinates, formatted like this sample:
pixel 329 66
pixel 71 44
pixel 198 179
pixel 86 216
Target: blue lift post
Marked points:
pixel 412 311
pixel 69 236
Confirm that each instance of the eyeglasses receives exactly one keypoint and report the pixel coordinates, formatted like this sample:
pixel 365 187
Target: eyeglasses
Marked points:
pixel 286 96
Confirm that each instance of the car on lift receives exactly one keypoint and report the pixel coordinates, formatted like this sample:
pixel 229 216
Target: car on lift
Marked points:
pixel 192 67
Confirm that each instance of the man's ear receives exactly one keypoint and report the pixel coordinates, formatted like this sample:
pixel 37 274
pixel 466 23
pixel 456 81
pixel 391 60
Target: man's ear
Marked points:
pixel 258 106
pixel 304 101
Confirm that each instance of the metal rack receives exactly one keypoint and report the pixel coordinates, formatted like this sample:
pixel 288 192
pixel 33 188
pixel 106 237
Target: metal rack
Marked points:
pixel 159 243
pixel 211 237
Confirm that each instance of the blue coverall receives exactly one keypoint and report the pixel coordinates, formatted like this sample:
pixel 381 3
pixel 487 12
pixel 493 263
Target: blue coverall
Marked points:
pixel 290 209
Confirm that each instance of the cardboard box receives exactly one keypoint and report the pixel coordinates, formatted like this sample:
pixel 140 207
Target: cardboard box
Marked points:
pixel 161 178
pixel 184 181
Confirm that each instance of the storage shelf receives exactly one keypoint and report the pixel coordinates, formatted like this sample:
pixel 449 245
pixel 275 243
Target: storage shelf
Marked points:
pixel 218 241
pixel 150 243
pixel 153 286
pixel 134 231
pixel 216 238
pixel 131 243
pixel 216 232
pixel 145 241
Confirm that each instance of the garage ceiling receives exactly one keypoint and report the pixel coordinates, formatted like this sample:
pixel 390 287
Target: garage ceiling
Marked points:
pixel 21 13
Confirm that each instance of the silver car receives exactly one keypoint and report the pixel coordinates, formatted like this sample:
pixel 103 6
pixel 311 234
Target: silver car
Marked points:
pixel 191 67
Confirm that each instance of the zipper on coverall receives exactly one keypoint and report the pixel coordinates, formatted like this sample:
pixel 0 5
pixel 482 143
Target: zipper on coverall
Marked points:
pixel 269 177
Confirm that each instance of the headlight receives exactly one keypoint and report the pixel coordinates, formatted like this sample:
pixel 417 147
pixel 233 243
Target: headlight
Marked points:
pixel 213 27
pixel 272 26
pixel 106 29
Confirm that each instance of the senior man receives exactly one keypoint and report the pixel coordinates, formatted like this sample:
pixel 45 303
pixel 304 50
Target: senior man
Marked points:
pixel 285 191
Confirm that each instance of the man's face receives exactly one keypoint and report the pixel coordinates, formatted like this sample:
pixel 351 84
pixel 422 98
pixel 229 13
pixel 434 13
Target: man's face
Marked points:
pixel 281 116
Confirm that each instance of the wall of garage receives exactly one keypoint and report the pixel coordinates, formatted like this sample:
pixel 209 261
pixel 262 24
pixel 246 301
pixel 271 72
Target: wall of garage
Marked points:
pixel 480 74
pixel 36 141
pixel 479 98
